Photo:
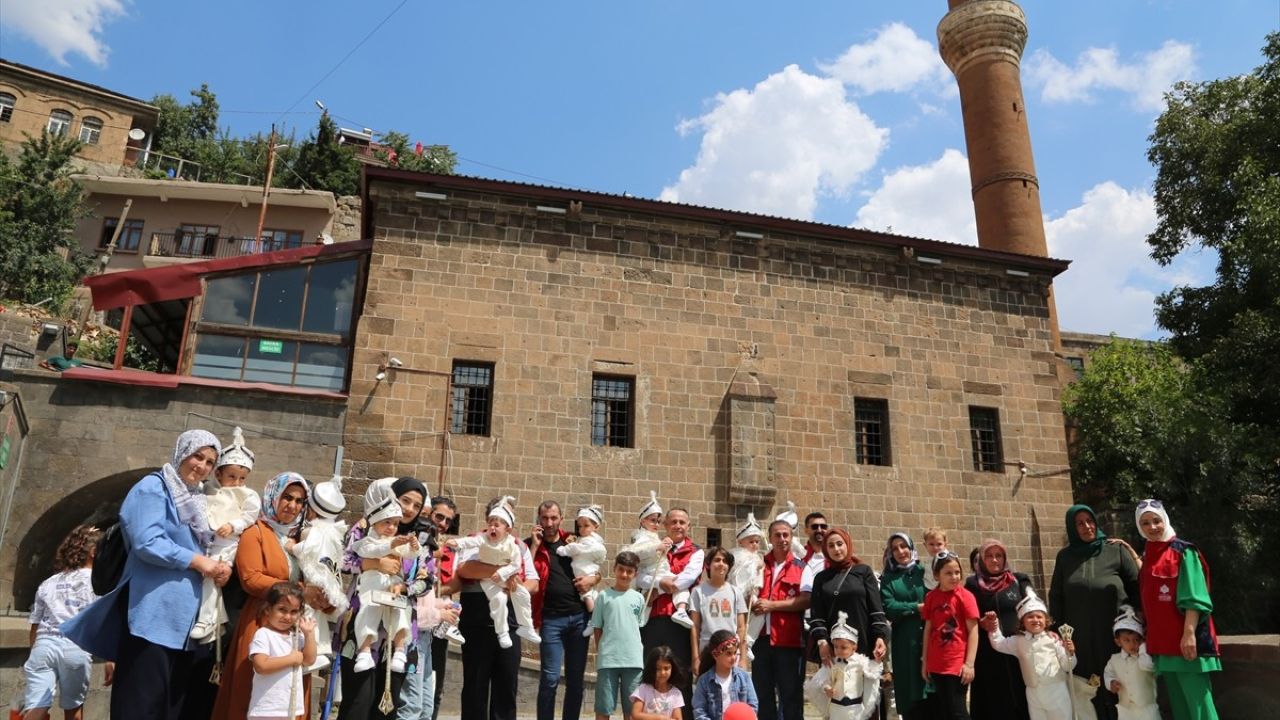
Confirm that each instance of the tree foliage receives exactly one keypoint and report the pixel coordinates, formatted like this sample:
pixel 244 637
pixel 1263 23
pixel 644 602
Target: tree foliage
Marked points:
pixel 39 206
pixel 326 165
pixel 396 152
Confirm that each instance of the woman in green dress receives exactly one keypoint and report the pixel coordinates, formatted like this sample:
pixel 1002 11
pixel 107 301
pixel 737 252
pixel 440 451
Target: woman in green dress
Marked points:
pixel 902 590
pixel 1181 638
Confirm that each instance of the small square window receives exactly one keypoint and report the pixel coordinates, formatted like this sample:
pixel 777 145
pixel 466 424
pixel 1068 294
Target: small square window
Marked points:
pixel 1076 364
pixel 472 398
pixel 612 410
pixel 60 122
pixel 90 131
pixel 871 431
pixel 984 430
pixel 130 234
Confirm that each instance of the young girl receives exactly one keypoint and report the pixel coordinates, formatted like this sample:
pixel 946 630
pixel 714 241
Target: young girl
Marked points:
pixel 658 697
pixel 950 637
pixel 1045 659
pixel 276 657
pixel 721 682
pixel 717 605
pixel 56 662
pixel 587 552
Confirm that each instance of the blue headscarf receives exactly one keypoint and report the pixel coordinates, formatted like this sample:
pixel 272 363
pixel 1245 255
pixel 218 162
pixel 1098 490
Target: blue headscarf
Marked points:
pixel 275 487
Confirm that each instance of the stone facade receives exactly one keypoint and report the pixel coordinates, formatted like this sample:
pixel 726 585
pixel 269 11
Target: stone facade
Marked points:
pixel 748 339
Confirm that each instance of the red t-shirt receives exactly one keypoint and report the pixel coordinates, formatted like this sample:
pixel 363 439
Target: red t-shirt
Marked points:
pixel 948 638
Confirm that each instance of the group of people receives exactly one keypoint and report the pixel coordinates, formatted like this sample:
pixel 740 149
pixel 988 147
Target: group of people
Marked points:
pixel 230 604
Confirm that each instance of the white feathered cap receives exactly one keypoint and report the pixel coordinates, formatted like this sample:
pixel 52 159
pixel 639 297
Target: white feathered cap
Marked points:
pixel 1128 620
pixel 236 453
pixel 1031 603
pixel 380 501
pixel 594 513
pixel 327 499
pixel 842 631
pixel 790 515
pixel 652 506
pixel 505 511
pixel 751 529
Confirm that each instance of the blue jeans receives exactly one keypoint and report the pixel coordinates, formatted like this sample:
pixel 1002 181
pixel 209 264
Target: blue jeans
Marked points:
pixel 417 695
pixel 562 644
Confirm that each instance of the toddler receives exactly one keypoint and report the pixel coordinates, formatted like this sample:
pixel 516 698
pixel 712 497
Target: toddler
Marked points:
pixel 278 652
pixel 950 615
pixel 1130 673
pixel 658 696
pixel 652 549
pixel 587 552
pixel 382 596
pixel 319 554
pixel 747 573
pixel 935 542
pixel 232 508
pixel 497 547
pixel 849 688
pixel 791 517
pixel 1046 660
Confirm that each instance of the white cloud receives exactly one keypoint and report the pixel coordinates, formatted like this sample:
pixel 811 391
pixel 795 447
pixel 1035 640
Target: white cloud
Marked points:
pixel 777 147
pixel 1147 78
pixel 895 60
pixel 930 201
pixel 62 27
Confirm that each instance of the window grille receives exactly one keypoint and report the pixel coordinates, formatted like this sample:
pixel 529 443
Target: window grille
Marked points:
pixel 984 429
pixel 612 410
pixel 871 431
pixel 472 398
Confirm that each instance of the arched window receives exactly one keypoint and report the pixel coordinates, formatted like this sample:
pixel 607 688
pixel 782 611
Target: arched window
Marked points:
pixel 7 103
pixel 59 122
pixel 90 130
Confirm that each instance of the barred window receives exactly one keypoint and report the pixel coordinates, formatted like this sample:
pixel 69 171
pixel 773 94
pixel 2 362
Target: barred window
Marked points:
pixel 472 397
pixel 984 429
pixel 871 431
pixel 612 410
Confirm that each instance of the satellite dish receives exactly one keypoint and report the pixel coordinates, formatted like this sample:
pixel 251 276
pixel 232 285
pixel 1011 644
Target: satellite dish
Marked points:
pixel 137 134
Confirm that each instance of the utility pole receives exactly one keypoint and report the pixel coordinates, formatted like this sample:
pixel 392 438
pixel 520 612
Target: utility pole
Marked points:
pixel 266 187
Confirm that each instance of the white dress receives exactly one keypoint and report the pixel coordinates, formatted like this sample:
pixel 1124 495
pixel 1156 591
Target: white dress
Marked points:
pixel 855 686
pixel 239 508
pixel 747 575
pixel 371 614
pixel 319 554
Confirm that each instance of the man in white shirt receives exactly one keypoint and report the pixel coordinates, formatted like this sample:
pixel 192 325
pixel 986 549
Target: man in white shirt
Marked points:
pixel 686 560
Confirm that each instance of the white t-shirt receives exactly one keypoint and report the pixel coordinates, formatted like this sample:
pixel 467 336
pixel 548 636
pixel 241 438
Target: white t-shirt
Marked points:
pixel 660 703
pixel 270 695
pixel 718 608
pixel 725 683
pixel 59 598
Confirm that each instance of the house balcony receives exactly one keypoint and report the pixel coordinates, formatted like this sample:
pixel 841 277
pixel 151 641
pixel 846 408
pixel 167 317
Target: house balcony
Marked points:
pixel 167 248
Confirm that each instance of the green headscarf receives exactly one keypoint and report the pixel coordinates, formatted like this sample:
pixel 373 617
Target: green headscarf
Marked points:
pixel 1077 544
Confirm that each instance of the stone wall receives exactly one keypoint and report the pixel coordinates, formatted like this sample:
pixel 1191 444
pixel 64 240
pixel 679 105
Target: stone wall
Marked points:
pixel 689 309
pixel 22 333
pixel 346 219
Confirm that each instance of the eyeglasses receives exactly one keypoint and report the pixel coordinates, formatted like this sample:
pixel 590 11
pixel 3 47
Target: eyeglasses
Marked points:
pixel 819 526
pixel 441 517
pixel 1151 504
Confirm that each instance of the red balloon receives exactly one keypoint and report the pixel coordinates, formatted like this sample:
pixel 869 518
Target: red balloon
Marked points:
pixel 739 711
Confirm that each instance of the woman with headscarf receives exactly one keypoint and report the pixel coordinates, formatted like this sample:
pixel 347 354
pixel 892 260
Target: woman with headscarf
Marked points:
pixel 902 594
pixel 145 622
pixel 1092 578
pixel 362 691
pixel 997 690
pixel 847 585
pixel 1181 638
pixel 262 561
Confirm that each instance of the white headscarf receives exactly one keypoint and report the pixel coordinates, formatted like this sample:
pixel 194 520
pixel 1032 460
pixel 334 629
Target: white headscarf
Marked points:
pixel 1153 506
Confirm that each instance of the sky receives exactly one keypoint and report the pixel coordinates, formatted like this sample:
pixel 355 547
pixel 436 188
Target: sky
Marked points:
pixel 837 112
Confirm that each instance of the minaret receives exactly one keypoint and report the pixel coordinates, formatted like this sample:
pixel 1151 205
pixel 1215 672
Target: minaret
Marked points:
pixel 982 42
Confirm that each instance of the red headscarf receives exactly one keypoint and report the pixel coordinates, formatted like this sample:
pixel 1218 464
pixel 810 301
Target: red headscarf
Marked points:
pixel 850 559
pixel 1002 578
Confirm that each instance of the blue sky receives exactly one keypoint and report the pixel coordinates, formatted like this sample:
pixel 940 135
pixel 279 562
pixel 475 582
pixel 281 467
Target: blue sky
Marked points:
pixel 839 112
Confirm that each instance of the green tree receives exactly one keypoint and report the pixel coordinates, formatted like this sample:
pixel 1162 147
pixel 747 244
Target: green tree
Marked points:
pixel 39 206
pixel 323 164
pixel 397 152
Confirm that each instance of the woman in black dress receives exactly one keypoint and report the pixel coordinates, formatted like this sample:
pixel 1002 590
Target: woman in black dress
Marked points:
pixel 847 585
pixel 997 691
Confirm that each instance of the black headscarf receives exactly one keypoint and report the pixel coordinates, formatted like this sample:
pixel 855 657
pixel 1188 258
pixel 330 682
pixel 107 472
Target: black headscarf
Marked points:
pixel 404 485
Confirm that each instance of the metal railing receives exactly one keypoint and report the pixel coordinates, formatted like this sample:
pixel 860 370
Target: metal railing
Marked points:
pixel 201 246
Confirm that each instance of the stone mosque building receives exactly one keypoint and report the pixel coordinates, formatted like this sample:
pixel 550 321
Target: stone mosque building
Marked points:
pixel 497 338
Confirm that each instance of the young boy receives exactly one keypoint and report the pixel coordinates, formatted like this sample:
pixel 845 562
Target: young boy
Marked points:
pixel 652 549
pixel 1045 659
pixel 319 553
pixel 1130 673
pixel 497 547
pixel 616 623
pixel 587 552
pixel 747 573
pixel 848 689
pixel 935 541
pixel 232 508
pixel 382 598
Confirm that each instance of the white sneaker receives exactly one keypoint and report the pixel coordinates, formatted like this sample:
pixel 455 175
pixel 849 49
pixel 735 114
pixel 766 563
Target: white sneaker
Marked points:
pixel 528 633
pixel 398 660
pixel 504 640
pixel 454 634
pixel 364 661
pixel 322 662
pixel 588 631
pixel 681 618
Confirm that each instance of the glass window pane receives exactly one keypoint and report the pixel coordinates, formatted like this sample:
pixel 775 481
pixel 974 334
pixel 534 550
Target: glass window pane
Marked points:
pixel 270 361
pixel 228 299
pixel 321 366
pixel 329 300
pixel 280 299
pixel 219 357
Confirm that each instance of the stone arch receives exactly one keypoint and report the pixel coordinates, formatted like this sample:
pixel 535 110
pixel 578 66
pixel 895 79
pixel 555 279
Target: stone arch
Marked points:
pixel 96 503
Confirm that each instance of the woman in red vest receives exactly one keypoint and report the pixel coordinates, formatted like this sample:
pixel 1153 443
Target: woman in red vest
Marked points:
pixel 1175 599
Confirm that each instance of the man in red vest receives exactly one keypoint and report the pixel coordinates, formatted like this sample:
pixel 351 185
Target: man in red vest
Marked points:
pixel 685 559
pixel 778 668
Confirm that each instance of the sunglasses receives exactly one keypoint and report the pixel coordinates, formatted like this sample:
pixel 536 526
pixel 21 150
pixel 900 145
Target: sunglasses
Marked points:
pixel 1150 504
pixel 819 526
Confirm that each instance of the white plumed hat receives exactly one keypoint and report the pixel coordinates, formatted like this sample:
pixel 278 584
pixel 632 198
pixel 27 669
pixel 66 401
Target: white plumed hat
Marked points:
pixel 505 511
pixel 842 631
pixel 1128 620
pixel 380 501
pixel 751 529
pixel 594 513
pixel 1031 603
pixel 652 506
pixel 327 499
pixel 789 515
pixel 236 453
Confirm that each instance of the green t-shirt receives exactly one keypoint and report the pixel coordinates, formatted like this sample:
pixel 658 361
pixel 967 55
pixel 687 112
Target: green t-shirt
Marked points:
pixel 617 615
pixel 61 363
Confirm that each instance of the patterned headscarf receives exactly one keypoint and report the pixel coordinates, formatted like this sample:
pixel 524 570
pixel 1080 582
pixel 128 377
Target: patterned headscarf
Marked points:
pixel 891 564
pixel 272 492
pixel 1002 578
pixel 189 501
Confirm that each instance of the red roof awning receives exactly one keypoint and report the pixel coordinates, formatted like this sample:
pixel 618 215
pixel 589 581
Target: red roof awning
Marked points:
pixel 182 280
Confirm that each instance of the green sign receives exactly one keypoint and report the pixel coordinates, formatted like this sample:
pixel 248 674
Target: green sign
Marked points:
pixel 4 452
pixel 275 347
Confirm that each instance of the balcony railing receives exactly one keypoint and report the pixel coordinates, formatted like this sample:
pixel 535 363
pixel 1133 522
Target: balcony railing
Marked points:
pixel 199 246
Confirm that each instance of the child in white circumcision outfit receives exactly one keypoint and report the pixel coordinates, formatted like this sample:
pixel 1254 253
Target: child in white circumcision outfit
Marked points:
pixel 1130 673
pixel 382 600
pixel 495 546
pixel 747 573
pixel 1045 660
pixel 232 508
pixel 586 553
pixel 849 688
pixel 652 548
pixel 319 554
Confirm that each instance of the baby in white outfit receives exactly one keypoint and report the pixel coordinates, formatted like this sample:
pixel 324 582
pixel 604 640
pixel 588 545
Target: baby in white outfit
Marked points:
pixel 586 553
pixel 496 546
